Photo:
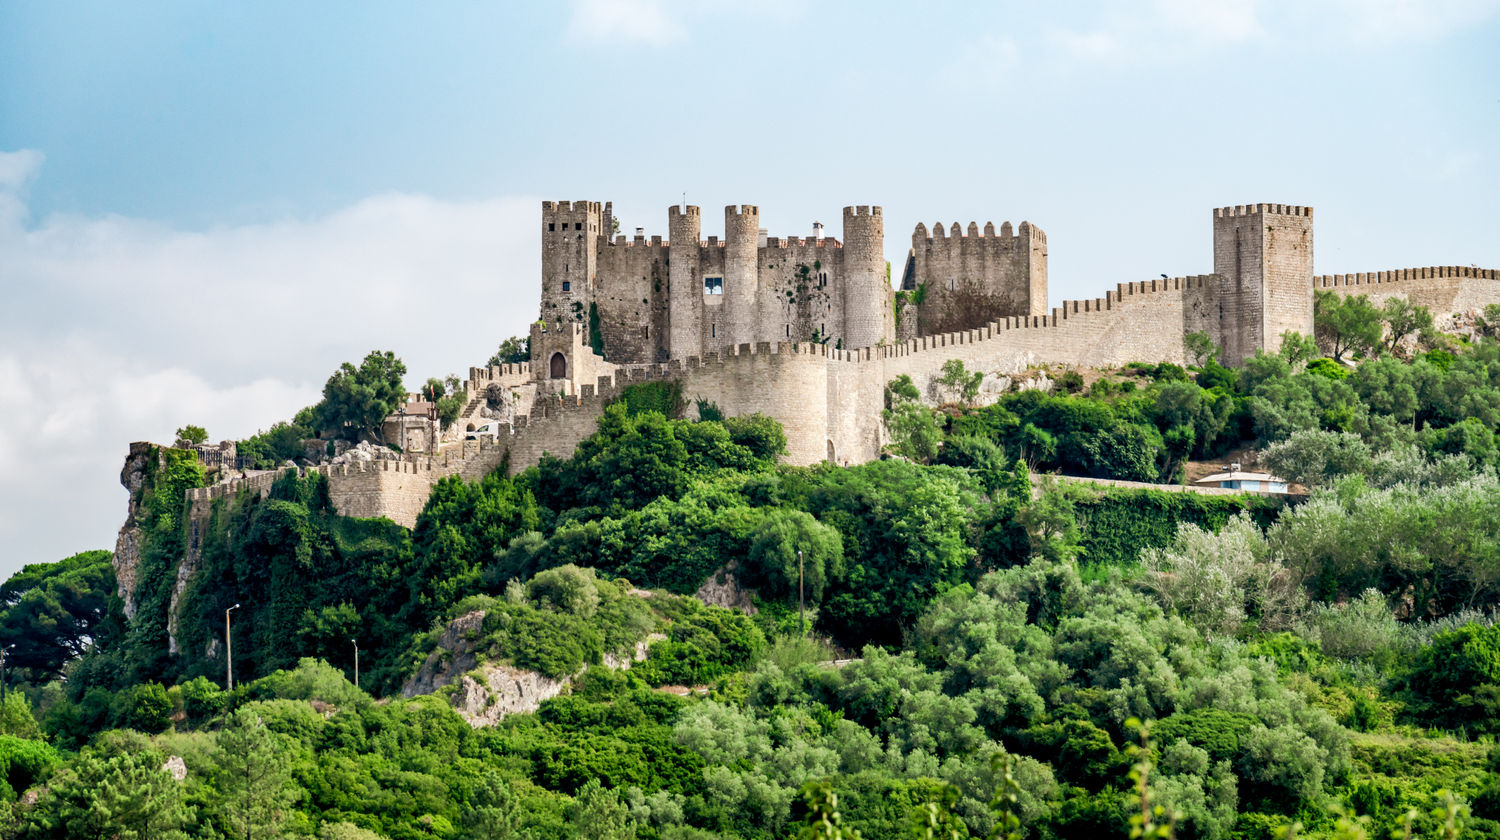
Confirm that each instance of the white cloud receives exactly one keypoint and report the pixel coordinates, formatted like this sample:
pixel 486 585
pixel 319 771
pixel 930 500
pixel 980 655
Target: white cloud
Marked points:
pixel 117 329
pixel 630 21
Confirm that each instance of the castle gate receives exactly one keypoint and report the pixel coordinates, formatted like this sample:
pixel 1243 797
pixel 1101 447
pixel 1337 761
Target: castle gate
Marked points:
pixel 558 367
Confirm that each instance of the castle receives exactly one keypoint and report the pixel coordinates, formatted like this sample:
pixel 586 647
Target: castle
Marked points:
pixel 809 331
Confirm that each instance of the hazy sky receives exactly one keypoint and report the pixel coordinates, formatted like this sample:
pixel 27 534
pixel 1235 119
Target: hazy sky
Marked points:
pixel 205 207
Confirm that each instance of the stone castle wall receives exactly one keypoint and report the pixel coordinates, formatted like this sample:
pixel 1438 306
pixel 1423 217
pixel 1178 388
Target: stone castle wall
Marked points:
pixel 1444 289
pixel 1008 268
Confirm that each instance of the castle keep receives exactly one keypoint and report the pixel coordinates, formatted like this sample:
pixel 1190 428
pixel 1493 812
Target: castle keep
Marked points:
pixel 809 330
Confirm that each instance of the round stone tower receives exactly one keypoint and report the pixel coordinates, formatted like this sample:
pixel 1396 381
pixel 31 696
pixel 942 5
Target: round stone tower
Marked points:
pixel 685 299
pixel 741 240
pixel 868 319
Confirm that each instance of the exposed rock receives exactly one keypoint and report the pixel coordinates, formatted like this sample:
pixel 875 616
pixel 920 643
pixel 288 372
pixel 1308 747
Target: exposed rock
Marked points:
pixel 176 766
pixel 723 589
pixel 365 451
pixel 127 559
pixel 454 655
pixel 504 691
pixel 483 694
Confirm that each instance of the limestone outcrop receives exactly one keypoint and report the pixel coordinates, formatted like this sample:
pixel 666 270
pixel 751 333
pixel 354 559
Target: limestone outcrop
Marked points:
pixel 485 692
pixel 127 559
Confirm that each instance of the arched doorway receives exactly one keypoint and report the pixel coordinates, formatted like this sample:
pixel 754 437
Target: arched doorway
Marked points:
pixel 831 453
pixel 558 367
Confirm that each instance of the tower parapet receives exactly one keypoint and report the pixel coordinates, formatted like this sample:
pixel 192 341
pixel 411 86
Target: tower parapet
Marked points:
pixel 868 317
pixel 571 231
pixel 1264 253
pixel 684 285
pixel 741 248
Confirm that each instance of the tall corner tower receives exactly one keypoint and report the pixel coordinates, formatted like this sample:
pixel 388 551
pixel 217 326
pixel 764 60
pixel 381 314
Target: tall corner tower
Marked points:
pixel 1034 246
pixel 1263 254
pixel 570 259
pixel 741 283
pixel 684 283
pixel 868 318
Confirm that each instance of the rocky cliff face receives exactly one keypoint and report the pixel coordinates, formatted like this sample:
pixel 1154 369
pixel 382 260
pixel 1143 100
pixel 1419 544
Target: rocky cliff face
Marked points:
pixel 483 693
pixel 128 545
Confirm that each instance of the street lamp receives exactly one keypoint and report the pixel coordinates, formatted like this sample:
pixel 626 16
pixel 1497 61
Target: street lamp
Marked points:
pixel 229 651
pixel 355 642
pixel 3 651
pixel 801 602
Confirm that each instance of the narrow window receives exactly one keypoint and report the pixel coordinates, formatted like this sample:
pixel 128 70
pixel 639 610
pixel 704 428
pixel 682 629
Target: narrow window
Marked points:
pixel 713 330
pixel 567 286
pixel 788 330
pixel 648 331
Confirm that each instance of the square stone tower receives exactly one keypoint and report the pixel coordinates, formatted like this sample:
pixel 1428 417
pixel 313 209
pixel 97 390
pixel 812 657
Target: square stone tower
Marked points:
pixel 1263 254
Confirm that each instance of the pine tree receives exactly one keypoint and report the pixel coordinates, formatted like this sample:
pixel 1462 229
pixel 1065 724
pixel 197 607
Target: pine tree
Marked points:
pixel 254 779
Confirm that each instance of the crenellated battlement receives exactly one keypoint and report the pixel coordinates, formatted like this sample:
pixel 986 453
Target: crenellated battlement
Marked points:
pixel 861 210
pixel 571 207
pixel 622 241
pixel 741 210
pixel 1405 275
pixel 1027 229
pixel 1262 210
pixel 677 210
pixel 793 242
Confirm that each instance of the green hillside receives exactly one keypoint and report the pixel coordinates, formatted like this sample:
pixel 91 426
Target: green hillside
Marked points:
pixel 938 646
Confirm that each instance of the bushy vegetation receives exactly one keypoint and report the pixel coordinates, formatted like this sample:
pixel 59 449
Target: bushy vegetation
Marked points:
pixel 983 656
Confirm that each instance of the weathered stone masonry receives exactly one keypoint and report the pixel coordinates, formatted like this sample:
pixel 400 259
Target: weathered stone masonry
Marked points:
pixel 827 397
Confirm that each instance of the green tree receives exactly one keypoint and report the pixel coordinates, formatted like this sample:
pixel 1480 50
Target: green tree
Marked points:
pixel 16 717
pixel 1199 347
pixel 959 382
pixel 356 401
pixel 446 395
pixel 1404 318
pixel 50 613
pixel 495 814
pixel 115 791
pixel 1346 324
pixel 1297 349
pixel 513 350
pixel 598 814
pixel 191 435
pixel 914 430
pixel 1456 679
pixel 143 707
pixel 774 555
pixel 823 822
pixel 253 778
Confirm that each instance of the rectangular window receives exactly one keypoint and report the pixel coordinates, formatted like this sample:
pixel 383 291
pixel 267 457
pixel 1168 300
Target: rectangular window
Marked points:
pixel 713 330
pixel 567 286
pixel 788 330
pixel 578 225
pixel 552 226
pixel 713 285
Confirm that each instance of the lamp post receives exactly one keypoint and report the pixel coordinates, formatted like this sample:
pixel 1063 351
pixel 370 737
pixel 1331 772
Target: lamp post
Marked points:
pixel 355 642
pixel 801 603
pixel 3 652
pixel 229 651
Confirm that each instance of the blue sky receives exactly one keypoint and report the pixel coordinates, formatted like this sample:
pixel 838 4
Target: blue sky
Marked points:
pixel 204 208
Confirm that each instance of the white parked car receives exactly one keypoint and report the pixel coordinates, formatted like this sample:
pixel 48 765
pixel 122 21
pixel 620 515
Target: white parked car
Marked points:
pixel 490 430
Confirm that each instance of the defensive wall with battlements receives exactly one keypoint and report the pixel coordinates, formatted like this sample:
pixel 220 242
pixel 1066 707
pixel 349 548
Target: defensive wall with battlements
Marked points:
pixel 829 398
